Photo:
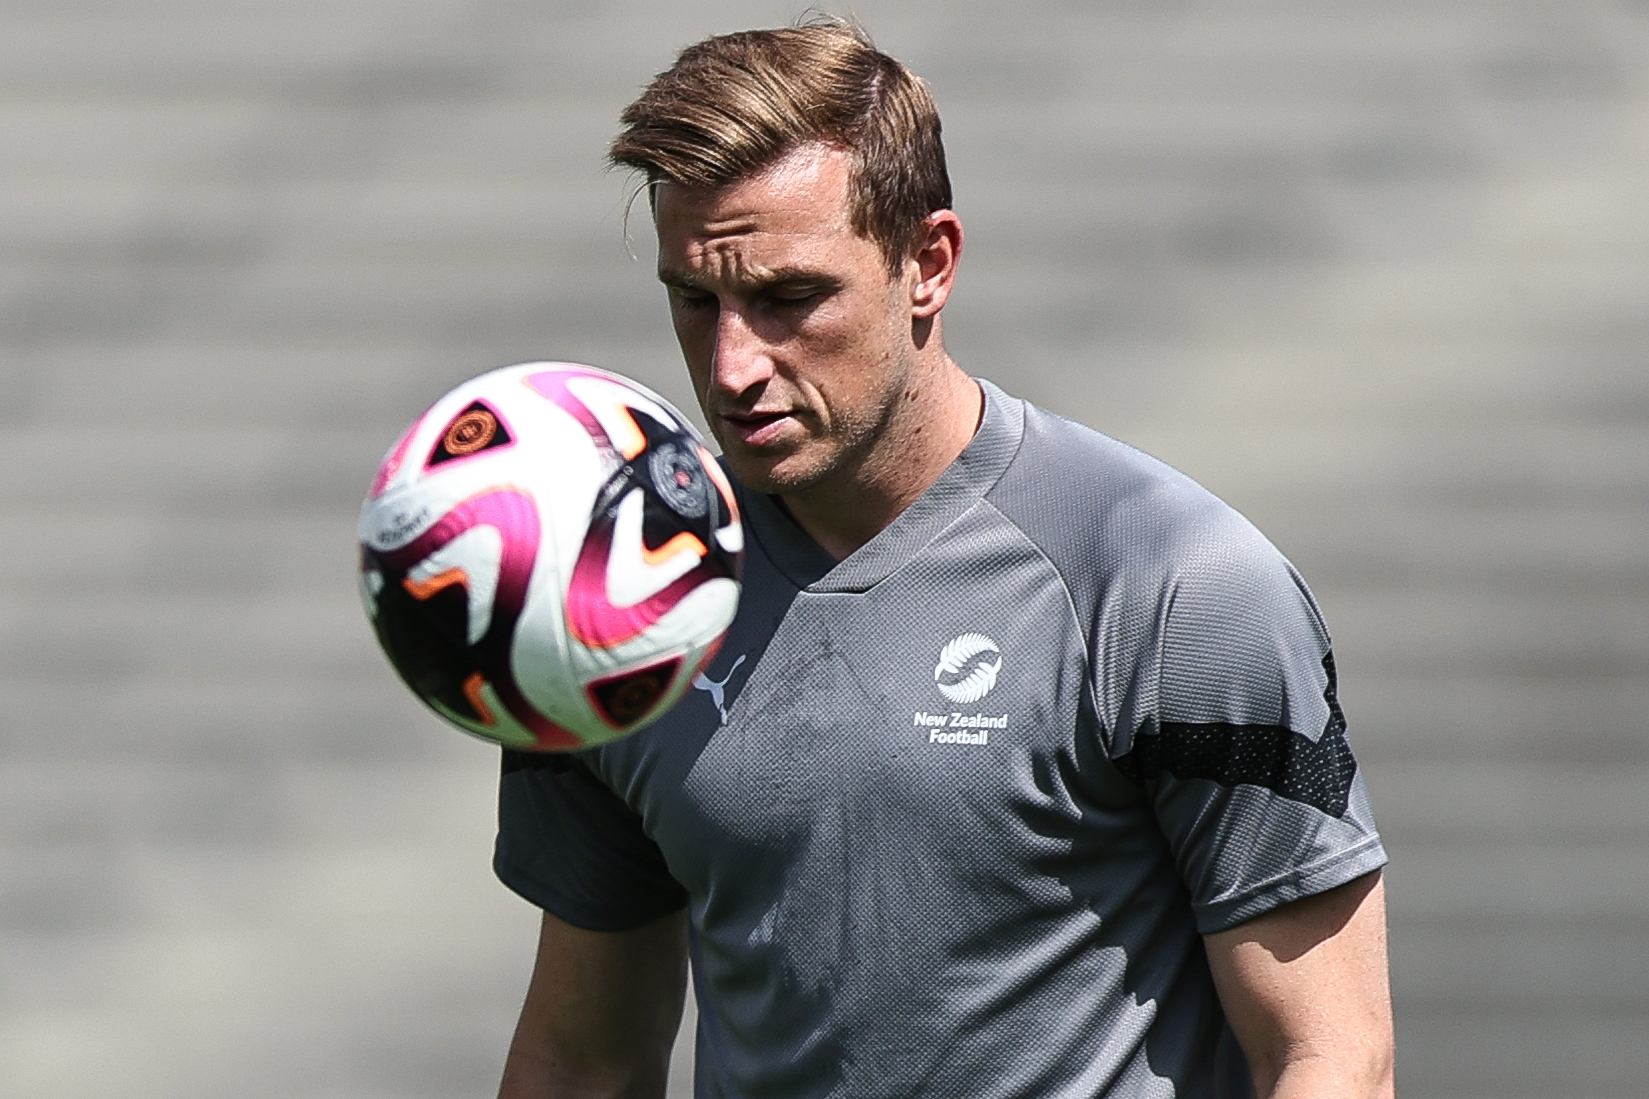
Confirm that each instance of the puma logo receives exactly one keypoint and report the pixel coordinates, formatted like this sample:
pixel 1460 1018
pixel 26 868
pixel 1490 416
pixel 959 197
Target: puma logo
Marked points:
pixel 718 689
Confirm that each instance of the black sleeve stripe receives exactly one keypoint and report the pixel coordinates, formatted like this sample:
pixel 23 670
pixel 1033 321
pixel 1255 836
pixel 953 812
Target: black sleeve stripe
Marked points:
pixel 1290 765
pixel 1278 759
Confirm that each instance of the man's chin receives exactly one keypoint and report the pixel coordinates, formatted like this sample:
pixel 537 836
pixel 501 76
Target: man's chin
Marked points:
pixel 772 475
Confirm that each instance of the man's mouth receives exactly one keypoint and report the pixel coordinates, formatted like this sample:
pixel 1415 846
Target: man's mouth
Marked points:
pixel 754 428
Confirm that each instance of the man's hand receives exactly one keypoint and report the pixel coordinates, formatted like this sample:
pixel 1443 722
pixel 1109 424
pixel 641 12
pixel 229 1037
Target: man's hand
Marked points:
pixel 601 1013
pixel 1306 990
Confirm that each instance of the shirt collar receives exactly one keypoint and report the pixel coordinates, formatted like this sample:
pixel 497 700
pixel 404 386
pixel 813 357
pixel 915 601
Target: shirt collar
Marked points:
pixel 963 483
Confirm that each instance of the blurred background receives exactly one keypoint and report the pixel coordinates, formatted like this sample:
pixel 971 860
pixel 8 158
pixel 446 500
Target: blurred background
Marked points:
pixel 1372 270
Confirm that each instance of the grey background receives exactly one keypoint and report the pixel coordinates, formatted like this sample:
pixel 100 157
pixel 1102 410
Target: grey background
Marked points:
pixel 1374 270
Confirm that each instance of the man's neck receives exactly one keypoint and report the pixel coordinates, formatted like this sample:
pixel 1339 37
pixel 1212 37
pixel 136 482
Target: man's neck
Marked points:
pixel 928 435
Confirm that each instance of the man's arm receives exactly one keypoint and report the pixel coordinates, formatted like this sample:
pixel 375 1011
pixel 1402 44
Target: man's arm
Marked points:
pixel 601 1013
pixel 1305 988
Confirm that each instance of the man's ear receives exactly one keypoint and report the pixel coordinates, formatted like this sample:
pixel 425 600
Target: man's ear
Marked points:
pixel 933 263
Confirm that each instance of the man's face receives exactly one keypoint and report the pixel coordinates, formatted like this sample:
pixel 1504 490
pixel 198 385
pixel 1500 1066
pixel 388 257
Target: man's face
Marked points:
pixel 798 341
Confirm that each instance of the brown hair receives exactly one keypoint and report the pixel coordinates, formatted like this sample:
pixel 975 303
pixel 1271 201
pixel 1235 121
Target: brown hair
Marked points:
pixel 733 104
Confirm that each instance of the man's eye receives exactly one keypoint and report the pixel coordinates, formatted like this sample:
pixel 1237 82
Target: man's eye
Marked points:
pixel 794 295
pixel 692 297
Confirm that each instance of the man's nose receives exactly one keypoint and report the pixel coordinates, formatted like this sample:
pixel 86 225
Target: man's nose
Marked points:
pixel 740 359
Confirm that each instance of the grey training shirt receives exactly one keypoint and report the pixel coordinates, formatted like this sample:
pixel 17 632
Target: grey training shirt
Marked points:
pixel 950 815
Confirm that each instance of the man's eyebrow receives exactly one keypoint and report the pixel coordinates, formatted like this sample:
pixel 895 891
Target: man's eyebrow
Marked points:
pixel 675 278
pixel 771 277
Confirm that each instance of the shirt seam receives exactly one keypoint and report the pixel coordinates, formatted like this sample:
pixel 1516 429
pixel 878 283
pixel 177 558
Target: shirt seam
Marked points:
pixel 1090 672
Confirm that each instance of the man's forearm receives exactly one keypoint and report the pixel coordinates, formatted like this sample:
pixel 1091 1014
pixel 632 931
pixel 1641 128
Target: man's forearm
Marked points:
pixel 600 1013
pixel 532 1073
pixel 1306 993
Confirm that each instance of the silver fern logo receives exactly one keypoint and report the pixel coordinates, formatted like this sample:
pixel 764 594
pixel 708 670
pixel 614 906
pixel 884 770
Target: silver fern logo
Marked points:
pixel 967 668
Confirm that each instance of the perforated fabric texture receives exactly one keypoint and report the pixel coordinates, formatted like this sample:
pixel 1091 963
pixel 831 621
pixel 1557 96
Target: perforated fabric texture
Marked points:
pixel 897 893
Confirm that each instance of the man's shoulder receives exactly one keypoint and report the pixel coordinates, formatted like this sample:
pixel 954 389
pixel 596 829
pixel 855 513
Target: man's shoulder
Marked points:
pixel 1094 503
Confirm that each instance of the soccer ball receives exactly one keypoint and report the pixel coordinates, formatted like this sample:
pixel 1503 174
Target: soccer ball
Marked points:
pixel 549 555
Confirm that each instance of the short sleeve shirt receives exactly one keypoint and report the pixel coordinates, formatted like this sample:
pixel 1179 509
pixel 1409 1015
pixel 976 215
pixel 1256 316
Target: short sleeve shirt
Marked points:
pixel 950 816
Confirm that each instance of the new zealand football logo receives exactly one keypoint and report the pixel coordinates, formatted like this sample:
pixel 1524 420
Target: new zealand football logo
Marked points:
pixel 967 668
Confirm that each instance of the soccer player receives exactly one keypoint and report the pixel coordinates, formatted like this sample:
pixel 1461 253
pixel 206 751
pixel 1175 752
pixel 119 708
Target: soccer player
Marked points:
pixel 1020 772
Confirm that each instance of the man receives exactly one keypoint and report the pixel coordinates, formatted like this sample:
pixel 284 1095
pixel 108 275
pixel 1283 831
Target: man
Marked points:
pixel 1020 772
